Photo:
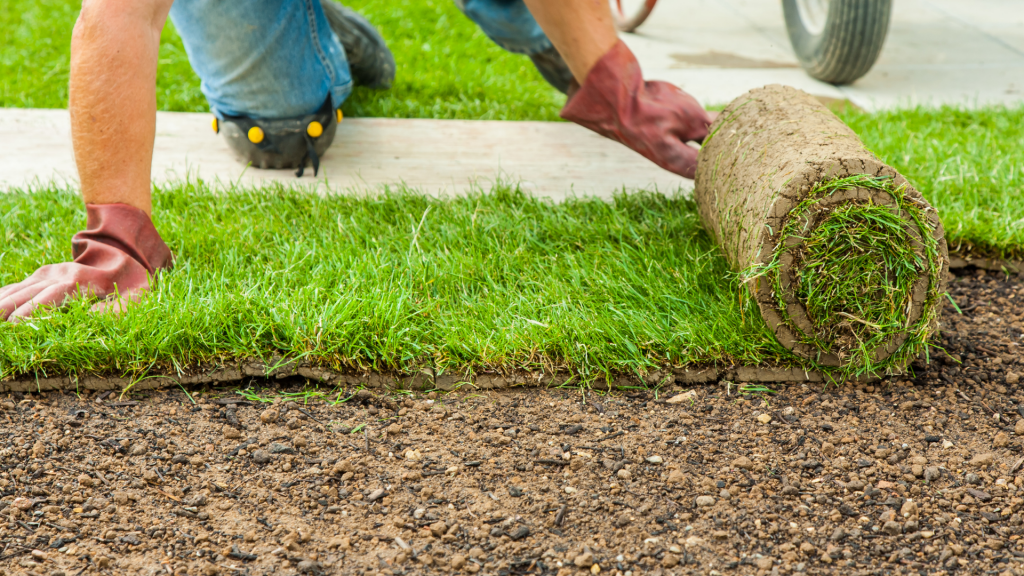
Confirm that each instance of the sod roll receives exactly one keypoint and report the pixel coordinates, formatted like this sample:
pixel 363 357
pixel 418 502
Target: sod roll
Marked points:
pixel 844 258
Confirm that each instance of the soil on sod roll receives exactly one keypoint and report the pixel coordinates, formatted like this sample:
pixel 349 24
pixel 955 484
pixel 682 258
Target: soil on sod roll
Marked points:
pixel 917 475
pixel 844 257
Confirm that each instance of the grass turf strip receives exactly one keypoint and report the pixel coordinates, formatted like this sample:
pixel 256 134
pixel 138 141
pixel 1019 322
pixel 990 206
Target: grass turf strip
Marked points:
pixel 493 281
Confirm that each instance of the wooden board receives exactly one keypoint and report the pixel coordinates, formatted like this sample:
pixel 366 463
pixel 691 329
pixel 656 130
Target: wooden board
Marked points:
pixel 550 159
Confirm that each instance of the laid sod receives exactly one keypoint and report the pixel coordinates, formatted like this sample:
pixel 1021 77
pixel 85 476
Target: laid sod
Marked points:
pixel 497 281
pixel 493 281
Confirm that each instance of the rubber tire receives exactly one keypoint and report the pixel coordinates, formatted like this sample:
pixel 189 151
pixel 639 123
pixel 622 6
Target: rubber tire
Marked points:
pixel 630 22
pixel 849 44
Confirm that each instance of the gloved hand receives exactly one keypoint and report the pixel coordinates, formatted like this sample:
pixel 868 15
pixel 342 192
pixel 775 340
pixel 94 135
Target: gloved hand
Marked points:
pixel 655 119
pixel 115 254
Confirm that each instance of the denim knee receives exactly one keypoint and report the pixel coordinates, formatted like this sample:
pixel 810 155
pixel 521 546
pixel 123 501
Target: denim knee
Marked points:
pixel 263 58
pixel 508 23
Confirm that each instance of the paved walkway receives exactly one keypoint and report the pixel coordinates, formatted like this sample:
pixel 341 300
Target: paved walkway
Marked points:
pixel 549 159
pixel 968 52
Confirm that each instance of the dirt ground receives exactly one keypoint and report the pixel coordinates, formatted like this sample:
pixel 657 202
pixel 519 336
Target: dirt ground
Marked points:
pixel 905 476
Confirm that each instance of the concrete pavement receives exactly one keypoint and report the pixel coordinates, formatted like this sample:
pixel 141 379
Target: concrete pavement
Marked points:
pixel 967 52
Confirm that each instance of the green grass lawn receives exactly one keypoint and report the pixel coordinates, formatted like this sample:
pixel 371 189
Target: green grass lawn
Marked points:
pixel 498 280
pixel 447 68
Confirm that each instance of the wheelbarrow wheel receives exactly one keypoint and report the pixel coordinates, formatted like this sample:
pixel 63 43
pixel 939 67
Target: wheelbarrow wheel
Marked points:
pixel 837 41
pixel 629 17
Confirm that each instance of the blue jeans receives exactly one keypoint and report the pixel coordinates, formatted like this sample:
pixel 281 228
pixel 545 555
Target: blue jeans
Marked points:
pixel 271 59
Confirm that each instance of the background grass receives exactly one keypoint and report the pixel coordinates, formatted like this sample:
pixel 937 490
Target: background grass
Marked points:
pixel 447 68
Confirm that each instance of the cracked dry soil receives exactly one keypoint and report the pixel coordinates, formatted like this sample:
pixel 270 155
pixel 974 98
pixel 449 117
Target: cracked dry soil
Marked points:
pixel 907 476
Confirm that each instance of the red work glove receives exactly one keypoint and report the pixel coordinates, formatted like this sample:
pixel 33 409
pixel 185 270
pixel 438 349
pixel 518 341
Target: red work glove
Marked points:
pixel 655 119
pixel 116 253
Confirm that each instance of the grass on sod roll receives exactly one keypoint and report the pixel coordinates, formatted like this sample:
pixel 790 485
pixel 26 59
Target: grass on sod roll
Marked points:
pixel 494 281
pixel 855 272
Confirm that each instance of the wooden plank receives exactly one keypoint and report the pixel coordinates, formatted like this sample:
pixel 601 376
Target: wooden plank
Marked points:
pixel 548 159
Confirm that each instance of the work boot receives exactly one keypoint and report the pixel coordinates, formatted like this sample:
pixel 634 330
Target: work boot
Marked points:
pixel 369 59
pixel 553 68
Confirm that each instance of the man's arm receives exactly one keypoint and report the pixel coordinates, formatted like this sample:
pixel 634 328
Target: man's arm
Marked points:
pixel 656 119
pixel 581 30
pixel 114 52
pixel 113 121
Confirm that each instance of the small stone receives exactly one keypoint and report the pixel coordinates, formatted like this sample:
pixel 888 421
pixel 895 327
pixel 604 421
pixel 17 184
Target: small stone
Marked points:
pixel 294 424
pixel 725 494
pixel 1012 378
pixel 377 495
pixel 669 560
pixel 917 470
pixel 764 563
pixel 623 474
pixel 807 547
pixel 654 459
pixel 151 476
pixel 231 433
pixel 269 416
pixel 278 448
pixel 743 463
pixel 688 396
pixel 438 529
pixel 262 457
pixel 300 442
pixel 994 544
pixel 676 477
pixel 946 444
pixel 909 509
pixel 764 418
pixel 23 504
pixel 892 528
pixel 1018 429
pixel 985 459
pixel 86 480
pixel 394 429
pixel 458 562
pixel 932 474
pixel 1001 440
pixel 705 501
pixel 519 533
pixel 413 455
pixel 584 560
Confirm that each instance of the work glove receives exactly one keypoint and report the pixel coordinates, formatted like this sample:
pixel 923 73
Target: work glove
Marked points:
pixel 116 254
pixel 655 119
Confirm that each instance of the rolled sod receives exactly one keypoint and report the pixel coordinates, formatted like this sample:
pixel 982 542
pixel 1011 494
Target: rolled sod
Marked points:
pixel 844 258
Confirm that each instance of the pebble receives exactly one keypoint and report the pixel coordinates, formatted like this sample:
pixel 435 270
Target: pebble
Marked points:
pixel 654 459
pixel 687 396
pixel 623 474
pixel 1018 429
pixel 764 418
pixel 985 459
pixel 584 560
pixel 705 501
pixel 743 463
pixel 230 432
pixel 262 457
pixel 1001 440
pixel 24 504
pixel 269 416
pixel 376 495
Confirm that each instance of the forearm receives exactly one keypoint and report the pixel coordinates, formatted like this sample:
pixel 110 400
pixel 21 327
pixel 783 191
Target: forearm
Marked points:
pixel 114 51
pixel 581 30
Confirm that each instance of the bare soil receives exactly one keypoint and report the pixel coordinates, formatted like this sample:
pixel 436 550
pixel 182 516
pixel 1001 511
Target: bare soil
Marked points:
pixel 904 476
